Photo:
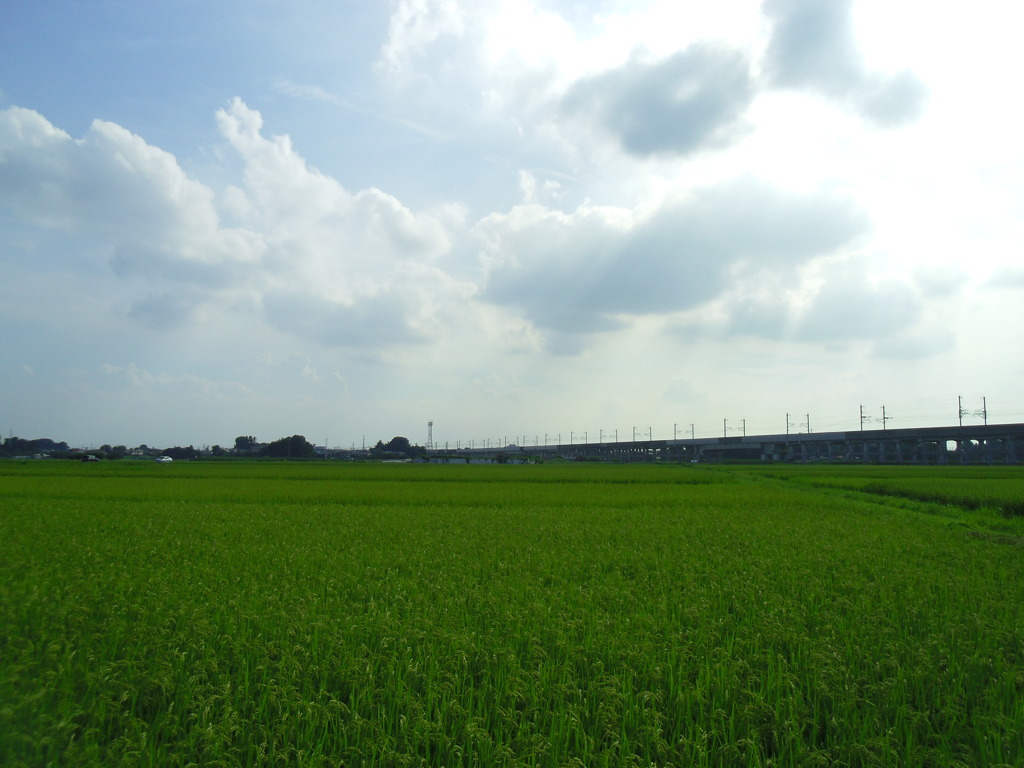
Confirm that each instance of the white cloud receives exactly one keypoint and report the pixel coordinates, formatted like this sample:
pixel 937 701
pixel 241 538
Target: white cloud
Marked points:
pixel 584 272
pixel 759 193
pixel 356 269
pixel 342 268
pixel 693 100
pixel 1007 278
pixel 109 181
pixel 843 302
pixel 813 46
pixel 416 25
pixel 163 311
pixel 113 186
pixel 851 304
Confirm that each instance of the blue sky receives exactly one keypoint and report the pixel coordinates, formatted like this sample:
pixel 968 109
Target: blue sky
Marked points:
pixel 510 217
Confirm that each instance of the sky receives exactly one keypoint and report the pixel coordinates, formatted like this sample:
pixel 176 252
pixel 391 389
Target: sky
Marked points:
pixel 522 220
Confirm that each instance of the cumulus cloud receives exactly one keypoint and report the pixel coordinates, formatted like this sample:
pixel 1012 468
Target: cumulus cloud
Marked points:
pixel 374 322
pixel 829 301
pixel 416 25
pixel 333 265
pixel 812 44
pixel 164 311
pixel 1007 277
pixel 359 269
pixel 341 267
pixel 113 186
pixel 585 271
pixel 813 47
pixel 691 100
pixel 565 86
pixel 850 304
pixel 301 210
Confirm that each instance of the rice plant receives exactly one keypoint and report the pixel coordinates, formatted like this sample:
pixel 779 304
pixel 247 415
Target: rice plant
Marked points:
pixel 246 614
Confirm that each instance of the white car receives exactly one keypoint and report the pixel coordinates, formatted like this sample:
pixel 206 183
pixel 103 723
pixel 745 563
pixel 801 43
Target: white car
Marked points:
pixel 163 459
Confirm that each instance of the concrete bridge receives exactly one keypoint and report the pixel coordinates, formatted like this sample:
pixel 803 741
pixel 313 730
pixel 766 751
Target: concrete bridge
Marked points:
pixel 980 444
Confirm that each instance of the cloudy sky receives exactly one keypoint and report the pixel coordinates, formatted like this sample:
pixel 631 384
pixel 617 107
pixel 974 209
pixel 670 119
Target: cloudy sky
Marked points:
pixel 344 218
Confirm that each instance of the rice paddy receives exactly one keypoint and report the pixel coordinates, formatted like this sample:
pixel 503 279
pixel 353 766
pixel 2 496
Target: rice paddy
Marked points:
pixel 555 615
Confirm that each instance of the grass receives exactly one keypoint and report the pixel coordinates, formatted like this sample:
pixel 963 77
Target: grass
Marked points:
pixel 998 489
pixel 254 614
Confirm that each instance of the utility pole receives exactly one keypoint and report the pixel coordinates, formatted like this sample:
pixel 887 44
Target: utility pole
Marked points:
pixel 693 435
pixel 983 412
pixel 884 418
pixel 862 418
pixel 960 409
pixel 744 427
pixel 725 428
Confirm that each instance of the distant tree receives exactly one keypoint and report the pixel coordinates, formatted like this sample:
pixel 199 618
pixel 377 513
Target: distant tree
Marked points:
pixel 17 446
pixel 217 451
pixel 294 447
pixel 45 445
pixel 245 444
pixel 106 448
pixel 117 452
pixel 397 447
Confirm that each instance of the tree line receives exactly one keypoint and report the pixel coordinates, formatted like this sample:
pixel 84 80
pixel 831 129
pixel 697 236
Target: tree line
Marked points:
pixel 294 447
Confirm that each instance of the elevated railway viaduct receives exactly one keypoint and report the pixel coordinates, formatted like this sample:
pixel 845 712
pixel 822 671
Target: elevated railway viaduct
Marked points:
pixel 980 444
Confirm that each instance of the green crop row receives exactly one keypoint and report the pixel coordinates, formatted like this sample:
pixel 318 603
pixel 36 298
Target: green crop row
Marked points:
pixel 999 489
pixel 485 616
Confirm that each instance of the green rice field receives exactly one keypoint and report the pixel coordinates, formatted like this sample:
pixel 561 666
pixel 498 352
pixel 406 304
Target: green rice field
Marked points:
pixel 302 614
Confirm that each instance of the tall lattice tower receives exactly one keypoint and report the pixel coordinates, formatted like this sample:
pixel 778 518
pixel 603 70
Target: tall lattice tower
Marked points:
pixel 430 435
